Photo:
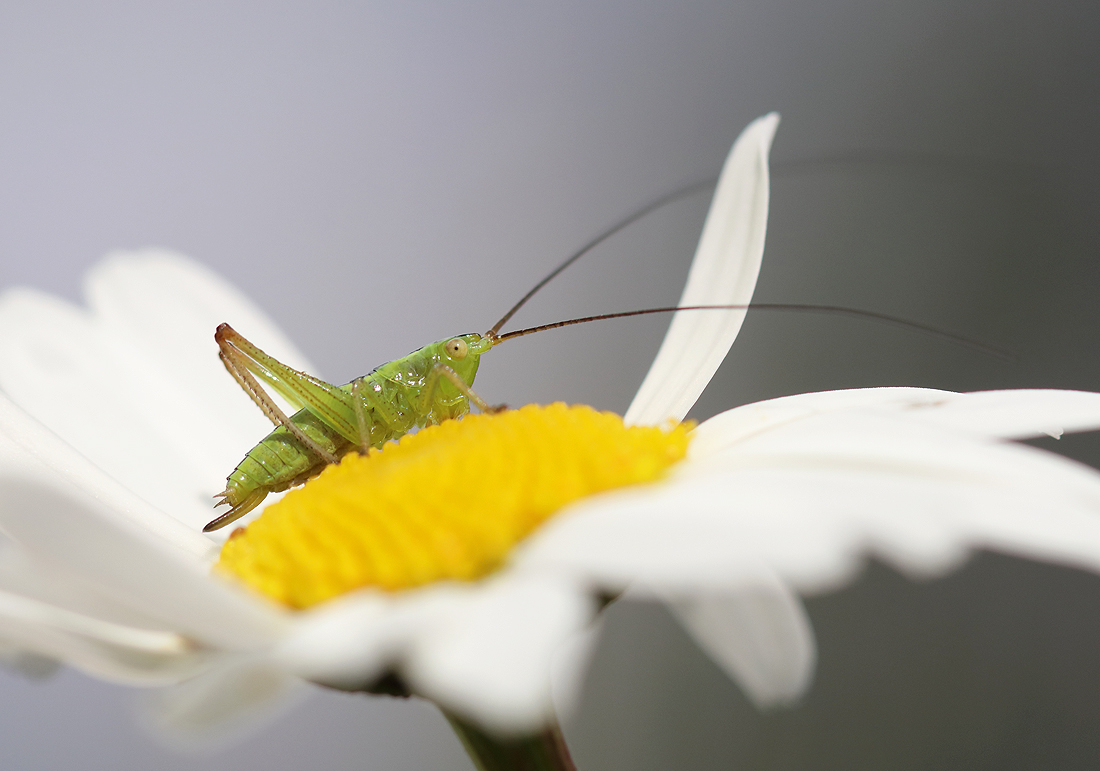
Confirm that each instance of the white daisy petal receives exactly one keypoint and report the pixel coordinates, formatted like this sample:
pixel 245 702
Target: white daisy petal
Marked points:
pixel 57 365
pixel 724 271
pixel 729 428
pixel 83 535
pixel 875 440
pixel 352 641
pixel 487 651
pixel 570 666
pixel 758 633
pixel 73 518
pixel 57 614
pixel 109 651
pixel 491 656
pixel 139 371
pixel 226 700
pixel 1014 414
pixel 164 308
pixel 30 451
pixel 1017 414
pixel 25 575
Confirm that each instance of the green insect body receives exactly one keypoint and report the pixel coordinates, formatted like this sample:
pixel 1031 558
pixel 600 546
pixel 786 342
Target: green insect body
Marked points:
pixel 424 388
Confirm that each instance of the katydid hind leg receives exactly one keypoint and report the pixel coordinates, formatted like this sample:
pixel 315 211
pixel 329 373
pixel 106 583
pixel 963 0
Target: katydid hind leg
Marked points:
pixel 259 397
pixel 236 362
pixel 328 402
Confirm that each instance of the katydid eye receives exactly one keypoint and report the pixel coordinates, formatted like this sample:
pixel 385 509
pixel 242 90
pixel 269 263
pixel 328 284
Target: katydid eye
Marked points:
pixel 456 348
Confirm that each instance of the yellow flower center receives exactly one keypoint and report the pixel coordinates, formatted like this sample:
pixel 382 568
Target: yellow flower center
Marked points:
pixel 447 503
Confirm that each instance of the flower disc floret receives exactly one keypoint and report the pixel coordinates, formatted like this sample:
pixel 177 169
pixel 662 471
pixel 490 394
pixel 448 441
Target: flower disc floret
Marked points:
pixel 447 503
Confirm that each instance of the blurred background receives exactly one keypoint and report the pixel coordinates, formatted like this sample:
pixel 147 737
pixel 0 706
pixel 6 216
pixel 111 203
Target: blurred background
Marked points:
pixel 381 175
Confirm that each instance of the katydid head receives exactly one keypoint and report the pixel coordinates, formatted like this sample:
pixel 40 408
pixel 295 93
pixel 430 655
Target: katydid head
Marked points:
pixel 463 354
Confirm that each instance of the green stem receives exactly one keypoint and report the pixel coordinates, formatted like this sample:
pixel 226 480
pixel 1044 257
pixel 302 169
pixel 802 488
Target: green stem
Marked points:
pixel 545 751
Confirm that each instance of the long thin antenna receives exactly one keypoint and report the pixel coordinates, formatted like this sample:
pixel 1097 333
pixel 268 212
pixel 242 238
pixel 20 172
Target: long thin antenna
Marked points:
pixel 950 337
pixel 683 192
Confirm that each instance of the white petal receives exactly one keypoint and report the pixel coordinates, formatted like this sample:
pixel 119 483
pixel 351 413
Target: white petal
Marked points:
pixel 164 308
pixel 729 428
pixel 569 668
pixel 726 265
pixel 75 520
pixel 134 384
pixel 350 642
pixel 491 651
pixel 758 633
pixel 73 532
pixel 221 703
pixel 491 659
pixel 51 611
pixel 105 650
pixel 1016 414
pixel 24 575
pixel 58 366
pixel 29 450
pixel 94 550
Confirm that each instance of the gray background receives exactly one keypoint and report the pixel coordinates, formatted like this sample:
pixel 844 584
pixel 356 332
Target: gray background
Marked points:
pixel 381 175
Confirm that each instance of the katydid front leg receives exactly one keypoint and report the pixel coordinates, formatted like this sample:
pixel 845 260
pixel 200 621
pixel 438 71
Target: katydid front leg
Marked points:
pixel 443 371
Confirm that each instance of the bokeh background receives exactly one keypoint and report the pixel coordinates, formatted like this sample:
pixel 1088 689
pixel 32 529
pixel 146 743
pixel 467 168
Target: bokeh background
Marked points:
pixel 380 175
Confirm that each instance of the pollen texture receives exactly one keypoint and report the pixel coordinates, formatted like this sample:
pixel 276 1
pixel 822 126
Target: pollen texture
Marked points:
pixel 447 503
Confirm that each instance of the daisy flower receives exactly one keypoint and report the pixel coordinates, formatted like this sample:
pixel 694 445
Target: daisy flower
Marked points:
pixel 117 425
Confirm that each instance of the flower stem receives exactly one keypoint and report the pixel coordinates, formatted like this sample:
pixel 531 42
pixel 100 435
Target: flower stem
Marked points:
pixel 545 751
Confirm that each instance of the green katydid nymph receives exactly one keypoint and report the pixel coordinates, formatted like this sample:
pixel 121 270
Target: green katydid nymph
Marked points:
pixel 427 386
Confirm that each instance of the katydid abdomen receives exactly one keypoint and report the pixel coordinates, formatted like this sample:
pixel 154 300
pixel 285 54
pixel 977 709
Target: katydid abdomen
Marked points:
pixel 280 461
